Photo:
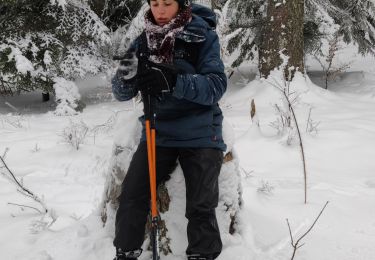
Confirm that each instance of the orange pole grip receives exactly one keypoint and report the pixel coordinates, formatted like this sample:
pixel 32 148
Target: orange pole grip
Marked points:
pixel 151 155
pixel 154 209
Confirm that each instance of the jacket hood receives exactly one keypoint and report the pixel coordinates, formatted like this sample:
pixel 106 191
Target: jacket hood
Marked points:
pixel 206 14
pixel 203 20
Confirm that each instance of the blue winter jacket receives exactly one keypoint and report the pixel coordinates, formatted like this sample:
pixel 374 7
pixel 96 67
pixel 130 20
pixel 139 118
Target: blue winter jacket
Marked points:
pixel 189 116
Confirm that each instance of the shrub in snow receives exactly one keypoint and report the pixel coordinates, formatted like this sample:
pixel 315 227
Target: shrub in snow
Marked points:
pixel 311 125
pixel 15 121
pixel 265 188
pixel 75 133
pixel 171 195
pixel 328 60
pixel 67 97
pixel 105 127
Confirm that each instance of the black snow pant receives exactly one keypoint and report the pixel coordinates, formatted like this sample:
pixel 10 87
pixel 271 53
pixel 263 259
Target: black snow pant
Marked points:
pixel 201 168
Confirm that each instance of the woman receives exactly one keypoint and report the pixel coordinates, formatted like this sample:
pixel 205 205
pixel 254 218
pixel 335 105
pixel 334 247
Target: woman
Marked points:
pixel 179 65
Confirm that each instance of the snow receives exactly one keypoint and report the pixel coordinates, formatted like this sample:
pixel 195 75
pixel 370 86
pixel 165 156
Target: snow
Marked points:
pixel 67 95
pixel 23 65
pixel 339 158
pixel 205 3
pixel 47 58
pixel 61 3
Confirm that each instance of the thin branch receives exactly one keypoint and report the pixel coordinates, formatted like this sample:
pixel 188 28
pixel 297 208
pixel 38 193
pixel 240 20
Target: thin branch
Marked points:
pixel 283 90
pixel 300 246
pixel 325 205
pixel 291 239
pixel 295 245
pixel 300 144
pixel 12 107
pixel 14 178
pixel 25 194
pixel 24 206
pixel 308 120
pixel 24 190
pixel 290 233
pixel 5 152
pixel 247 173
pixel 276 84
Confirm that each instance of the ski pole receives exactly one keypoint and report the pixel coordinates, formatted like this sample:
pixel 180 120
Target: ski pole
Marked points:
pixel 151 156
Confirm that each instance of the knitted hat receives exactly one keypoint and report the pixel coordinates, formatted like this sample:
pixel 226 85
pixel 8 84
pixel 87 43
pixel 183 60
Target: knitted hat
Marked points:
pixel 181 3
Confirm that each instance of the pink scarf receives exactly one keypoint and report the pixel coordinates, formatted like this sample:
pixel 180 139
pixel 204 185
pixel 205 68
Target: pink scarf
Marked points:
pixel 161 39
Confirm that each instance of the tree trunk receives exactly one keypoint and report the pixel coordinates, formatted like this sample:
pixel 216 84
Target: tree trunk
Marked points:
pixel 283 32
pixel 45 96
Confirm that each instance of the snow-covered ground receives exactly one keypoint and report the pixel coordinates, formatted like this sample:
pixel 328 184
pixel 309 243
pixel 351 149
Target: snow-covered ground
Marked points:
pixel 339 159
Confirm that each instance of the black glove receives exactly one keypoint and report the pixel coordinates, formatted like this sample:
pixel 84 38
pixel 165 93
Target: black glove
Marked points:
pixel 154 79
pixel 128 66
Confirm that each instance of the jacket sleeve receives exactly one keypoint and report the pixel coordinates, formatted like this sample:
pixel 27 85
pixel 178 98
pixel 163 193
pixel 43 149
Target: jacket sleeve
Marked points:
pixel 123 89
pixel 208 85
pixel 124 81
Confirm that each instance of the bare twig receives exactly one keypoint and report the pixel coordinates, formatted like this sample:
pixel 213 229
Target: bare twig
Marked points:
pixel 265 188
pixel 12 107
pixel 286 93
pixel 12 175
pixel 105 127
pixel 247 173
pixel 24 190
pixel 311 126
pixel 308 120
pixel 331 71
pixel 15 121
pixel 296 245
pixel 36 148
pixel 300 144
pixel 5 152
pixel 24 206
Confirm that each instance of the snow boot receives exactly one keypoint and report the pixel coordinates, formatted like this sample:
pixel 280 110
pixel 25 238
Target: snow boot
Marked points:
pixel 129 255
pixel 124 258
pixel 200 257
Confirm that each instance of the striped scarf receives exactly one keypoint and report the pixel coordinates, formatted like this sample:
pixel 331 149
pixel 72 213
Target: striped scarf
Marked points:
pixel 161 39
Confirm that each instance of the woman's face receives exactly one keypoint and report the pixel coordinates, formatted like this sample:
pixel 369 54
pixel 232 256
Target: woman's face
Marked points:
pixel 164 10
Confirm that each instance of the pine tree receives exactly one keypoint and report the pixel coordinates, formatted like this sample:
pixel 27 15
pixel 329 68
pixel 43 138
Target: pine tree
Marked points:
pixel 116 13
pixel 245 22
pixel 22 47
pixel 356 20
pixel 41 40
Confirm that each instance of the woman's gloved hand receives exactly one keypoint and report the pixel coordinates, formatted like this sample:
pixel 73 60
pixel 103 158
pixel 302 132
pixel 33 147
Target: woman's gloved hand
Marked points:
pixel 128 66
pixel 156 78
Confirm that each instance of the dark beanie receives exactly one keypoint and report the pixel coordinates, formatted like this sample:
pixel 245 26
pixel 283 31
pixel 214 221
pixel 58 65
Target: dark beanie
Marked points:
pixel 181 3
